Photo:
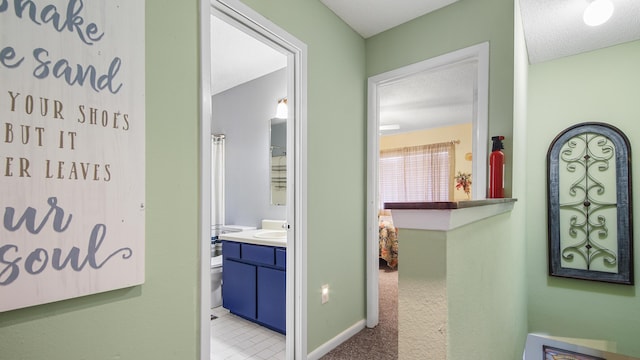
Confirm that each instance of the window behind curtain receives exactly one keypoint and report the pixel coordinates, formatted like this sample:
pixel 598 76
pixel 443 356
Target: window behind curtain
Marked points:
pixel 417 173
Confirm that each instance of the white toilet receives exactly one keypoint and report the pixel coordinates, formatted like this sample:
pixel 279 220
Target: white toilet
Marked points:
pixel 216 281
pixel 216 259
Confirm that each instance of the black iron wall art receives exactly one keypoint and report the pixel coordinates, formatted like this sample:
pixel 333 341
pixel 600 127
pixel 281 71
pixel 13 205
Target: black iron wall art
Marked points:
pixel 589 204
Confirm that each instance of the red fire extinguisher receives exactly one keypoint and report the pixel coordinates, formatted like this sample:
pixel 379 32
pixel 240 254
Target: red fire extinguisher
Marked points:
pixel 496 168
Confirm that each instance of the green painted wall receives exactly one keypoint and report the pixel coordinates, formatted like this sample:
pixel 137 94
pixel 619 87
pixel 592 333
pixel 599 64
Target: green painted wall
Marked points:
pixel 454 27
pixel 463 291
pixel 336 162
pixel 158 320
pixel 423 326
pixel 486 289
pixel 595 86
pixel 487 295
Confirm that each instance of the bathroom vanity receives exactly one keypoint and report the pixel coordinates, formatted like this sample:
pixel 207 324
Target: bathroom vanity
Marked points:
pixel 254 279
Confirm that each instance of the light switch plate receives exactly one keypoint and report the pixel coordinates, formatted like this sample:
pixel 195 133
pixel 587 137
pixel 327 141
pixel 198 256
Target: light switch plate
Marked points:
pixel 325 293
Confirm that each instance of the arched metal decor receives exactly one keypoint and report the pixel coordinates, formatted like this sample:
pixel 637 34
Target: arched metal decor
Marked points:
pixel 589 204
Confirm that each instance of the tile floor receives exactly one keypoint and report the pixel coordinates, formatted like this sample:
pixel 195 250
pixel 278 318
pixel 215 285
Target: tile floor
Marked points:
pixel 234 338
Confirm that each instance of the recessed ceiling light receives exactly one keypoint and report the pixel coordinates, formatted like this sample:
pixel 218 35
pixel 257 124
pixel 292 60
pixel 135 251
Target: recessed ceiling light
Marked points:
pixel 389 127
pixel 598 12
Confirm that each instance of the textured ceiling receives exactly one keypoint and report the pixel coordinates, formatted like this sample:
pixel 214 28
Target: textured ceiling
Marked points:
pixel 370 17
pixel 555 29
pixel 552 28
pixel 237 57
pixel 430 99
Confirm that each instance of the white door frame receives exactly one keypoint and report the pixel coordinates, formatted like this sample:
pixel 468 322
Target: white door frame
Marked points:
pixel 480 121
pixel 296 324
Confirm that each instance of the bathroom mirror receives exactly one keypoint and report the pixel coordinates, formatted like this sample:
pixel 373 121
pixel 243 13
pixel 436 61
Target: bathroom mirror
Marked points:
pixel 278 161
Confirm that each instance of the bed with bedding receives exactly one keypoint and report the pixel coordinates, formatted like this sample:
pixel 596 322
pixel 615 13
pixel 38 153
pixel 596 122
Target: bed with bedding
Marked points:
pixel 388 241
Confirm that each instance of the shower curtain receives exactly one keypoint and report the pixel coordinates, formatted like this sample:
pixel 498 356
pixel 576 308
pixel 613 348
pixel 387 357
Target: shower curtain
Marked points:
pixel 217 180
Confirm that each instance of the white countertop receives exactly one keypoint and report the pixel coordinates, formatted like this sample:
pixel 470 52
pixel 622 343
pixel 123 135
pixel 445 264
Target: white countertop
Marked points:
pixel 248 238
pixel 219 229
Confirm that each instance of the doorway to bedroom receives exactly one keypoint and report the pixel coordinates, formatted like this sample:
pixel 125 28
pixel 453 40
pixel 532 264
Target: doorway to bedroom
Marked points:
pixel 424 128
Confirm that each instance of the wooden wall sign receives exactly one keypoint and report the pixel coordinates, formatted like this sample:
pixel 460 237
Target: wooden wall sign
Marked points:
pixel 72 159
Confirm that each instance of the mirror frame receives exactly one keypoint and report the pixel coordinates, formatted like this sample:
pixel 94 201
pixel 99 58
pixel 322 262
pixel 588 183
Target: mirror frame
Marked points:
pixel 612 145
pixel 275 182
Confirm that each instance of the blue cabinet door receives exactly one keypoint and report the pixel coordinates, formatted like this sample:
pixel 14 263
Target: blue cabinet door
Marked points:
pixel 272 299
pixel 281 258
pixel 239 288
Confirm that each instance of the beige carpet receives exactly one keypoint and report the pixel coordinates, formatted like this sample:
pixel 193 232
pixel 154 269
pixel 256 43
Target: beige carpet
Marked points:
pixel 381 342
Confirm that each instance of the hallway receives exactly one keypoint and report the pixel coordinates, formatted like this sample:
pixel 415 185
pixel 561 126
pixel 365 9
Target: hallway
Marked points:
pixel 381 342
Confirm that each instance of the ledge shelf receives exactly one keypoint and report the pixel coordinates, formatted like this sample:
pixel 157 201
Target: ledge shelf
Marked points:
pixel 439 268
pixel 445 216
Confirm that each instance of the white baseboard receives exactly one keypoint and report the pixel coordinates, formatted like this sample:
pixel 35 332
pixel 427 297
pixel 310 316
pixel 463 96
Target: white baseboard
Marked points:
pixel 323 349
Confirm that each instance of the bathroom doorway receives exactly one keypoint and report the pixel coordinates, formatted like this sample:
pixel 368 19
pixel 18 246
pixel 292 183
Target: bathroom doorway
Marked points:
pixel 404 94
pixel 234 18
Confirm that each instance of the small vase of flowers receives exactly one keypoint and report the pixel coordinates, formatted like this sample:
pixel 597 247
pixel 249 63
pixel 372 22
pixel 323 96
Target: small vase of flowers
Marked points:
pixel 463 182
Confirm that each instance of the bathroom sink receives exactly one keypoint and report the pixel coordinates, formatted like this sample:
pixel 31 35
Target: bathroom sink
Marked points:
pixel 270 234
pixel 222 229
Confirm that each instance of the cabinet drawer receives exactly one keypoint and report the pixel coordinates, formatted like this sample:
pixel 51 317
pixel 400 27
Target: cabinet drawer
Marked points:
pixel 281 258
pixel 231 249
pixel 261 254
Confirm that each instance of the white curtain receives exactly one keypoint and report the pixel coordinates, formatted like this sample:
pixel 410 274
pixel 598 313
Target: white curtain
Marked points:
pixel 217 180
pixel 417 173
